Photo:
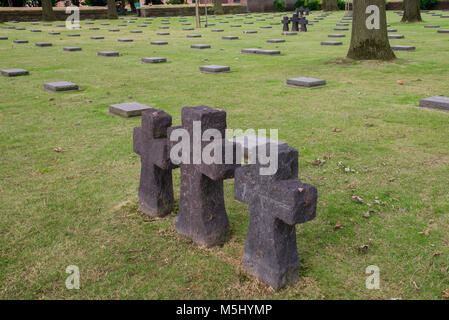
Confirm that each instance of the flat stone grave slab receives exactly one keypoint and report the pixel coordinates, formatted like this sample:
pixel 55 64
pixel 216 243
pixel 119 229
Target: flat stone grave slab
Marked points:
pixel 392 30
pixel 331 43
pixel 235 25
pixel 136 31
pixel 54 33
pixel 20 41
pixel 14 72
pixel 141 26
pixel 437 102
pixel 230 38
pixel 163 33
pixel 289 33
pixel 125 40
pixel 43 44
pixel 114 30
pixel 33 30
pixel 266 27
pixel 108 53
pixel 61 86
pixel 72 49
pixel 154 60
pixel 341 29
pixel 217 30
pixel 159 43
pixel 200 46
pixel 306 82
pixel 275 40
pixel 248 22
pixel 395 36
pixel 342 24
pixel 3 38
pixel 73 35
pixel 403 48
pixel 187 29
pixel 97 38
pixel 443 31
pixel 432 26
pixel 193 36
pixel 261 51
pixel 250 31
pixel 128 109
pixel 20 29
pixel 95 28
pixel 163 28
pixel 215 69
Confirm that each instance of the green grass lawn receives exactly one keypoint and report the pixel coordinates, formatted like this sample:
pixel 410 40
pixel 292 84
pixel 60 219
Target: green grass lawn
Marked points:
pixel 79 206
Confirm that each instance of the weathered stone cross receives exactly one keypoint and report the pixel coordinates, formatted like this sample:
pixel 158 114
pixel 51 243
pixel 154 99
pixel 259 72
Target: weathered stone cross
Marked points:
pixel 303 22
pixel 295 21
pixel 150 142
pixel 202 215
pixel 276 204
pixel 285 21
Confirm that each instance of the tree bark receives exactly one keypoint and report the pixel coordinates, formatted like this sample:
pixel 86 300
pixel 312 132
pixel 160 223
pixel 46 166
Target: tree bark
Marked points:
pixel 330 5
pixel 218 7
pixel 112 10
pixel 412 11
pixel 197 14
pixel 369 44
pixel 47 11
pixel 10 3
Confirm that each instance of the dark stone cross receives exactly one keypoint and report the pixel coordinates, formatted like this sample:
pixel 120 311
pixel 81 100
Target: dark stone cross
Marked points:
pixel 202 215
pixel 300 10
pixel 151 143
pixel 303 22
pixel 285 21
pixel 276 203
pixel 307 11
pixel 295 20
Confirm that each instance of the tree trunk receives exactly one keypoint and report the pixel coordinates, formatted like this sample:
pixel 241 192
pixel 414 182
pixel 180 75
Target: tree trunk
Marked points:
pixel 197 14
pixel 47 11
pixel 133 6
pixel 112 10
pixel 412 12
pixel 368 42
pixel 330 5
pixel 218 7
pixel 10 3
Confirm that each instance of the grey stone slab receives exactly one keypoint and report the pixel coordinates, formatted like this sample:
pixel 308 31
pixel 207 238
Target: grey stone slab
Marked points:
pixel 61 86
pixel 125 40
pixel 200 46
pixel 215 69
pixel 108 54
pixel 159 43
pixel 217 30
pixel 3 38
pixel 94 28
pixel 392 30
pixel 261 51
pixel 72 49
pixel 266 27
pixel 14 72
pixel 331 43
pixel 163 28
pixel 236 26
pixel 128 109
pixel 193 36
pixel 163 33
pixel 54 33
pixel 432 26
pixel 341 29
pixel 43 44
pixel 443 31
pixel 403 48
pixel 336 35
pixel 34 30
pixel 289 33
pixel 249 144
pixel 154 60
pixel 230 38
pixel 20 29
pixel 188 29
pixel 136 31
pixel 342 24
pixel 20 41
pixel 97 38
pixel 437 102
pixel 275 40
pixel 306 82
pixel 395 36
pixel 73 35
pixel 114 30
pixel 250 31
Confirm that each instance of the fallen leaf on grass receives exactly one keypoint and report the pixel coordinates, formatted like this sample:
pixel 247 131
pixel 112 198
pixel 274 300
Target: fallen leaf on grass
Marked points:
pixel 436 254
pixel 336 130
pixel 400 82
pixel 58 149
pixel 357 199
pixel 338 225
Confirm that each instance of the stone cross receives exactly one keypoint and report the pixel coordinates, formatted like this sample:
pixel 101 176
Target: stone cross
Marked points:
pixel 303 22
pixel 307 11
pixel 150 142
pixel 202 215
pixel 300 10
pixel 285 21
pixel 295 20
pixel 276 204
